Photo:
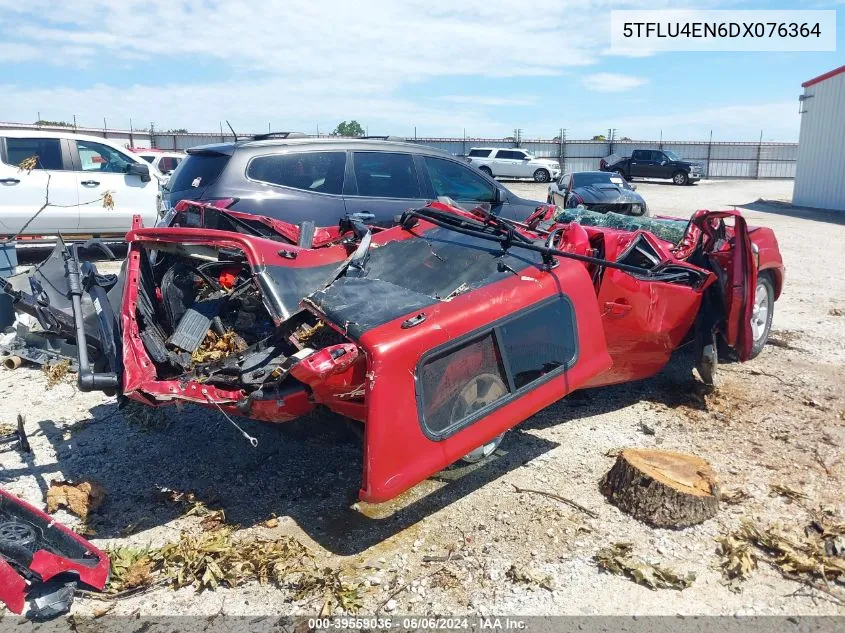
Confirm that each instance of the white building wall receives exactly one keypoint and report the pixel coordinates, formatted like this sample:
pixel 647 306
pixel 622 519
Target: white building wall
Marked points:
pixel 820 170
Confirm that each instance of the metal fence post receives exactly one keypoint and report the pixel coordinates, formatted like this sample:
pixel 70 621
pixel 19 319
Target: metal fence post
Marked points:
pixel 709 152
pixel 759 153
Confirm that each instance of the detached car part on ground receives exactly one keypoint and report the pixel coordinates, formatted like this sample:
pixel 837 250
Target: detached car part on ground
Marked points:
pixel 438 334
pixel 42 561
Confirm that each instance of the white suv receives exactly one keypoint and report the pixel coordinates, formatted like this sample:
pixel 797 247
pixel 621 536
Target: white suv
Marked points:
pixel 166 162
pixel 513 163
pixel 80 170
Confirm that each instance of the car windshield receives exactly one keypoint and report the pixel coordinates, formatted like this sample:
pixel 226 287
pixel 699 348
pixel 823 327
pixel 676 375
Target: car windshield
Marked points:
pixel 671 155
pixel 588 179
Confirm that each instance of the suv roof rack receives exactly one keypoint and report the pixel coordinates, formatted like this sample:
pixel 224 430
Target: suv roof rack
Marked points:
pixel 266 135
pixel 383 138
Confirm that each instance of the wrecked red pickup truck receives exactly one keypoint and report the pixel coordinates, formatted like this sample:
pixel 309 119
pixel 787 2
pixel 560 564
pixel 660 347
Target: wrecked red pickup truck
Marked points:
pixel 438 334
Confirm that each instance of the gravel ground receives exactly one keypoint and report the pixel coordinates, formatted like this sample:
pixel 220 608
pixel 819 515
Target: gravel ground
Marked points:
pixel 779 419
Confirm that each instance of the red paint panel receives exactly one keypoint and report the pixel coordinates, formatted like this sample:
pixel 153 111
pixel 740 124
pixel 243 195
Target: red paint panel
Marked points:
pixel 12 588
pixel 398 454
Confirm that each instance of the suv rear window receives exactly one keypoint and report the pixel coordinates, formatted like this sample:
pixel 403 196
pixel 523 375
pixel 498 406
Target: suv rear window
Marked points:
pixel 321 172
pixel 480 153
pixel 197 170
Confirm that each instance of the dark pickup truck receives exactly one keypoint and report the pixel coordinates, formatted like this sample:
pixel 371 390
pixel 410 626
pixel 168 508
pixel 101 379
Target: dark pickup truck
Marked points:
pixel 653 163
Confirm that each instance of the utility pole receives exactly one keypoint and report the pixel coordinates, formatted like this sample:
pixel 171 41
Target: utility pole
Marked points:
pixel 131 136
pixel 105 128
pixel 562 150
pixel 759 153
pixel 222 138
pixel 39 121
pixel 709 151
pixel 74 123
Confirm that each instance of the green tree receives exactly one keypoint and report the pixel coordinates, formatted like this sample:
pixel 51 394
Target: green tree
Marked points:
pixel 599 137
pixel 348 128
pixel 55 123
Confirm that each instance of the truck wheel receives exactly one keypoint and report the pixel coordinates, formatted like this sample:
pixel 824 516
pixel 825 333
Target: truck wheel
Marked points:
pixel 762 313
pixel 680 178
pixel 486 170
pixel 542 175
pixel 478 392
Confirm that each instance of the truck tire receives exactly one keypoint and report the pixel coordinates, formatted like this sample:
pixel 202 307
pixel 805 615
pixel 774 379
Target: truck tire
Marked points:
pixel 486 170
pixel 764 310
pixel 680 178
pixel 542 175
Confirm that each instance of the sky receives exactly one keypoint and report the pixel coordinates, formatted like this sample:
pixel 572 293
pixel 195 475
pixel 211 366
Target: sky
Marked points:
pixel 475 67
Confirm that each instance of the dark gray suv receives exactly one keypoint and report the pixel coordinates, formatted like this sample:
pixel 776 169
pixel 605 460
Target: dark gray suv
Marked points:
pixel 298 179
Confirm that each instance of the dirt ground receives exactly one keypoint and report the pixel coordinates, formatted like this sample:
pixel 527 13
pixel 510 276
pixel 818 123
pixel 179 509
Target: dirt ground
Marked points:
pixel 778 420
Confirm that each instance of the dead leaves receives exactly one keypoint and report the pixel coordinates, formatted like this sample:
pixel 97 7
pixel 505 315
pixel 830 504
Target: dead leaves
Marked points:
pixel 738 560
pixel 56 373
pixel 734 496
pixel 785 491
pixel 811 559
pixel 216 347
pixel 207 561
pixel 618 559
pixel 108 200
pixel 531 577
pixel 334 589
pixel 80 498
pixel 130 569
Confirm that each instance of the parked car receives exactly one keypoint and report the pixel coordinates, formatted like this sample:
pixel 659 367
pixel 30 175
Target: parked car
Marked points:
pixel 166 162
pixel 597 191
pixel 438 334
pixel 323 180
pixel 513 163
pixel 654 163
pixel 79 170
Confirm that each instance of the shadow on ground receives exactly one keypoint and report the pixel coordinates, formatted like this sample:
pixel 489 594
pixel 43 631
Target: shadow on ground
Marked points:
pixel 782 208
pixel 308 470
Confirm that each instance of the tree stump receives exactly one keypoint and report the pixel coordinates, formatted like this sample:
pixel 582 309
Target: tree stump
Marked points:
pixel 662 488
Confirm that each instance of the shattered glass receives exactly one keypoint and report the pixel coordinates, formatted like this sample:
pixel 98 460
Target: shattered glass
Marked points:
pixel 668 230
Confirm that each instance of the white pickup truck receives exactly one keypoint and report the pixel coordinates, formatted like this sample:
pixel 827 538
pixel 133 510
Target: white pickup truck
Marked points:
pixel 513 163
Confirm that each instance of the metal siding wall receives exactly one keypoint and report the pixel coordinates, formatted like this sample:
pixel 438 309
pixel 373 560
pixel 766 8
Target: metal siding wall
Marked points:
pixel 819 172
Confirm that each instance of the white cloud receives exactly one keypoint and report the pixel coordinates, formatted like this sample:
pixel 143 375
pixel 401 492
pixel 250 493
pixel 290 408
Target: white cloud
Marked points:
pixel 490 101
pixel 612 82
pixel 299 63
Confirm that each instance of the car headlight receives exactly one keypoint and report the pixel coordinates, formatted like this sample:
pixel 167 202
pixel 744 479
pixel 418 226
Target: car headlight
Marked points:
pixel 636 209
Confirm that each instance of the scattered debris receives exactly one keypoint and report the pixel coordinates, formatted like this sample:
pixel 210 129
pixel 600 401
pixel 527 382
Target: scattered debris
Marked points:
pixel 645 429
pixel 662 488
pixel 130 569
pixel 836 312
pixel 557 497
pixel 215 347
pixel 808 560
pixel 56 373
pixel 618 559
pixel 785 491
pixel 81 498
pixel 526 576
pixel 9 434
pixel 206 561
pixel 734 496
pixel 329 584
pixel 738 560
